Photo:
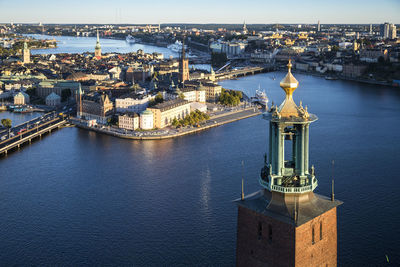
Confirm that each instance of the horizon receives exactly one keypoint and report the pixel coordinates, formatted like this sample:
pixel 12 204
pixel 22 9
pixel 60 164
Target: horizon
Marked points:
pixel 208 12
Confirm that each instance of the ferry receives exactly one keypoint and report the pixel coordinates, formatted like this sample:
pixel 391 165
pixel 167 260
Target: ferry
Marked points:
pixel 261 98
pixel 130 39
pixel 176 47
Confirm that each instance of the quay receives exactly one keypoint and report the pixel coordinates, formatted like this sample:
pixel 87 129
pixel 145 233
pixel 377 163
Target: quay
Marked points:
pixel 214 121
pixel 27 131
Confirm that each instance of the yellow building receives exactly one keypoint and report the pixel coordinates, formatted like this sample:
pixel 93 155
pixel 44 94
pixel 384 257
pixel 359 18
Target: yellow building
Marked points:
pixel 165 112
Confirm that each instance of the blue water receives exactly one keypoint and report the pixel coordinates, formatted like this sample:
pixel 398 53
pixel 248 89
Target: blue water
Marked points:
pixel 78 197
pixel 71 44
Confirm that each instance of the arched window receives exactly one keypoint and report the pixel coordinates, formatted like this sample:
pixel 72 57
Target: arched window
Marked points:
pixel 313 236
pixel 320 231
pixel 259 230
pixel 270 232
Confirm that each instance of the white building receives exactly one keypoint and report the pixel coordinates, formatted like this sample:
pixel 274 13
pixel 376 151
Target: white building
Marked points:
pixel 194 95
pixel 132 103
pixel 128 121
pixel 53 100
pixel 146 120
pixel 233 48
pixel 198 106
pixel 21 98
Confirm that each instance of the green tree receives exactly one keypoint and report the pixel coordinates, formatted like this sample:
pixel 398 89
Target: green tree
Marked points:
pixel 65 95
pixel 6 123
pixel 218 59
pixel 159 98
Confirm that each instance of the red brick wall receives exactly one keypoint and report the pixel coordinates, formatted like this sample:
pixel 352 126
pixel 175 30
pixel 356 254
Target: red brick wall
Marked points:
pixel 289 246
pixel 323 252
pixel 251 251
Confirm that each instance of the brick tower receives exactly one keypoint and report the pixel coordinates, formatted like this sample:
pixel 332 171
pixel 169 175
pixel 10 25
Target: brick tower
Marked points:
pixel 183 65
pixel 286 223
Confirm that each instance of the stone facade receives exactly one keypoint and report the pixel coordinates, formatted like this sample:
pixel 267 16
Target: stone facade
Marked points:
pixel 165 112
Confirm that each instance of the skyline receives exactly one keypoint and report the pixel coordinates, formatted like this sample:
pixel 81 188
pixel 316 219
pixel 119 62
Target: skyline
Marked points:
pixel 209 12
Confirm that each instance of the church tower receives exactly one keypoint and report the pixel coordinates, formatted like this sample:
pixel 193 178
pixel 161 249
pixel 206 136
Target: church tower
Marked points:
pixel 97 49
pixel 286 223
pixel 79 96
pixel 183 65
pixel 26 54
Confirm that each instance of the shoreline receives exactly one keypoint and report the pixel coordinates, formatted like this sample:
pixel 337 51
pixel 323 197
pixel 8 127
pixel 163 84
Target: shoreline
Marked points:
pixel 211 123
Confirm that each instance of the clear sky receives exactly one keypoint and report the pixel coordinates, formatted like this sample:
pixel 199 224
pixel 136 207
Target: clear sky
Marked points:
pixel 199 11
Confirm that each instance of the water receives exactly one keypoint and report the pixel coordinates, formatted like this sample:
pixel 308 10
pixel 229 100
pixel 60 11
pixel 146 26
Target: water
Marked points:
pixel 72 44
pixel 77 197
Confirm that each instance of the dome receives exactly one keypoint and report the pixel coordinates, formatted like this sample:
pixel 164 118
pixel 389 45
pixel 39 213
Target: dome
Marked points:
pixel 289 82
pixel 147 112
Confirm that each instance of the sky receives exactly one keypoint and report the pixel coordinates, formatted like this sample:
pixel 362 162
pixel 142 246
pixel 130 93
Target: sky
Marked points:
pixel 200 11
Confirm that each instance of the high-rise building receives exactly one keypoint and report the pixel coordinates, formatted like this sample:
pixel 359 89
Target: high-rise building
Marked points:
pixel 183 65
pixel 26 54
pixel 318 27
pixel 286 223
pixel 370 28
pixel 97 49
pixel 392 31
pixel 384 30
pixel 78 96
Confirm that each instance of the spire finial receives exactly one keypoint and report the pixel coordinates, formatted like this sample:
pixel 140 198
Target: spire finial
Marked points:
pixel 333 183
pixel 289 65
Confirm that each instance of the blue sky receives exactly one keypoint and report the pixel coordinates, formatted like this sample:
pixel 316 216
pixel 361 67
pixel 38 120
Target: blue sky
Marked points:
pixel 204 11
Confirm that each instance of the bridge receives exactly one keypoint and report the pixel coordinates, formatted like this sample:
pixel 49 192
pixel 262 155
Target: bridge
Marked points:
pixel 238 73
pixel 27 131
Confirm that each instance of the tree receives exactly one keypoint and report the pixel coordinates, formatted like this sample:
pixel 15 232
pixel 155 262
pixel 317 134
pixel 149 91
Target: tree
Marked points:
pixel 65 95
pixel 6 123
pixel 218 59
pixel 159 98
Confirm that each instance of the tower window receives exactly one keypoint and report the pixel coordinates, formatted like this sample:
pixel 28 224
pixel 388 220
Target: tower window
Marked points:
pixel 270 232
pixel 320 231
pixel 259 230
pixel 313 236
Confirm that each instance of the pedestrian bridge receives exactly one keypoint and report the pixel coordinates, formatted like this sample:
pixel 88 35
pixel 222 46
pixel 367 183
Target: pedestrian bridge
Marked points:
pixel 17 136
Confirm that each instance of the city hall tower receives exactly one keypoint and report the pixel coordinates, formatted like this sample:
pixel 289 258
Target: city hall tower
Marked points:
pixel 286 223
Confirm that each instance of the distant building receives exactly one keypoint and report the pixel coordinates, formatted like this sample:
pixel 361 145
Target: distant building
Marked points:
pixel 96 106
pixel 318 27
pixel 165 112
pixel 233 48
pixel 183 65
pixel 128 121
pixel 53 100
pixel 384 30
pixel 147 120
pixel 373 55
pixel 97 49
pixel 21 99
pixel 26 54
pixel 194 94
pixel 353 71
pixel 132 103
pixel 392 31
pixel 47 87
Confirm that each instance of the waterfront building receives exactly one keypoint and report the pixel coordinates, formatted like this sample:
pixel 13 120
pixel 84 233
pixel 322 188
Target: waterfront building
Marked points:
pixel 133 102
pixel 96 106
pixel 183 65
pixel 21 99
pixel 97 49
pixel 213 90
pixel 128 121
pixel 78 97
pixel 53 100
pixel 286 223
pixel 353 70
pixel 26 54
pixel 147 120
pixel 194 94
pixel 165 112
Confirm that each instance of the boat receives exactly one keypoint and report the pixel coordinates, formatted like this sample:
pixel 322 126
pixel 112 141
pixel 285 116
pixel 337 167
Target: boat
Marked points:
pixel 176 47
pixel 130 39
pixel 330 78
pixel 260 98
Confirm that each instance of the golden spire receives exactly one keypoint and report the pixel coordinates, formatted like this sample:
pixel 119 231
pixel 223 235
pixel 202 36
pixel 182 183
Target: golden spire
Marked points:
pixel 289 83
pixel 288 108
